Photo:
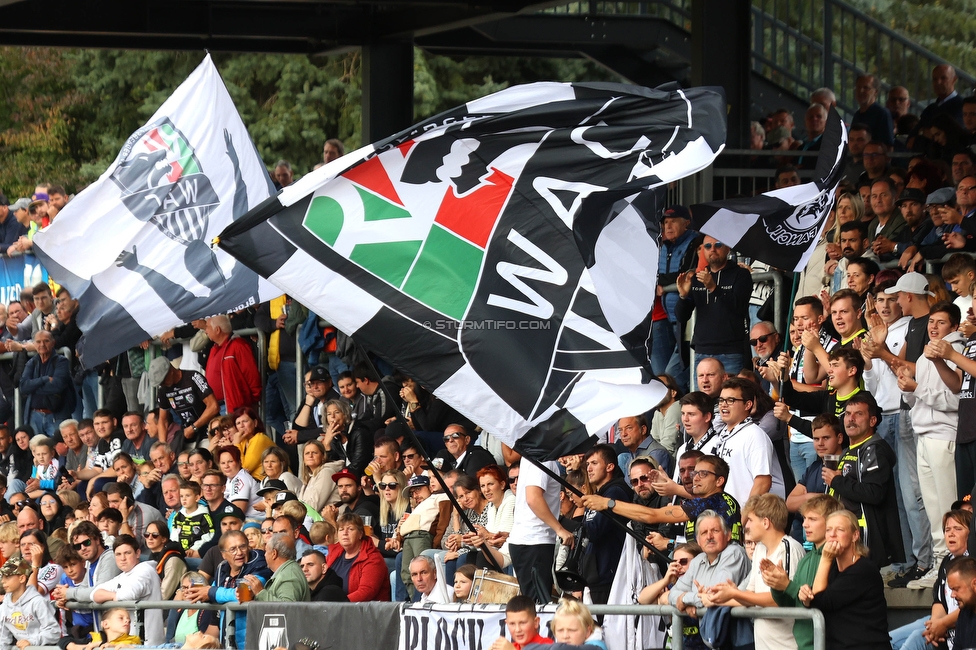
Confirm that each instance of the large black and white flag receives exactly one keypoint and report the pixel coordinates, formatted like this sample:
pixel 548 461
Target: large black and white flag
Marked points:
pixel 463 249
pixel 781 227
pixel 134 247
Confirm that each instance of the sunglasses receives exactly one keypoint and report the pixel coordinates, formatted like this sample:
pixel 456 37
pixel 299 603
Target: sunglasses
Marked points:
pixel 512 479
pixel 761 339
pixel 716 246
pixel 683 561
pixel 387 486
pixel 21 504
pixel 640 479
pixel 152 535
pixel 81 545
pixel 452 436
pixel 266 531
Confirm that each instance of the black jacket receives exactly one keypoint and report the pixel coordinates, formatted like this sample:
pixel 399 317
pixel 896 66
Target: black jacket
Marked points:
pixel 358 451
pixel 870 485
pixel 606 538
pixel 476 458
pixel 723 314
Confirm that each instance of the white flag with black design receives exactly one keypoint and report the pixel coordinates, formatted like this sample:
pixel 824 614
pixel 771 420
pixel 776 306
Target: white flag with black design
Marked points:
pixel 781 227
pixel 134 247
pixel 503 253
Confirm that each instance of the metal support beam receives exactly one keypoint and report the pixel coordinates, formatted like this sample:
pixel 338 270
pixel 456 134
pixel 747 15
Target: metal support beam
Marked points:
pixel 387 89
pixel 721 50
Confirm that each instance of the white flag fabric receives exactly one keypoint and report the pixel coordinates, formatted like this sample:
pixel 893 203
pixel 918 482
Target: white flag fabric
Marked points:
pixel 134 247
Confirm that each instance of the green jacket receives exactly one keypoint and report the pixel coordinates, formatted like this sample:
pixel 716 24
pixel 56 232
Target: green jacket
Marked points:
pixel 806 571
pixel 288 584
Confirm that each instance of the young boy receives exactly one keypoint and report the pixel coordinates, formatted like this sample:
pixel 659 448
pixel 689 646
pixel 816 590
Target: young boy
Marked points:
pixel 766 518
pixel 522 623
pixel 27 617
pixel 115 632
pixel 109 522
pixel 47 470
pixel 76 623
pixel 785 591
pixel 960 272
pixel 192 525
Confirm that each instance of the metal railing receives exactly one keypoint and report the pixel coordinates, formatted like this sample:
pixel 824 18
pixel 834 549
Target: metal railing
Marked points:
pixel 803 45
pixel 677 639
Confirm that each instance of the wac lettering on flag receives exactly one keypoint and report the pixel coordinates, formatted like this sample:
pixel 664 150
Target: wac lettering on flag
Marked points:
pixel 146 264
pixel 781 227
pixel 464 249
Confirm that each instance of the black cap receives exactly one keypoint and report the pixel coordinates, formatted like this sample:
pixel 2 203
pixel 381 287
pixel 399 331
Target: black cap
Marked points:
pixel 677 212
pixel 911 194
pixel 284 497
pixel 320 373
pixel 232 511
pixel 271 485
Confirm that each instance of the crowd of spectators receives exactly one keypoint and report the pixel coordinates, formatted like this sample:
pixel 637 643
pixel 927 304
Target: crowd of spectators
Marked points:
pixel 799 468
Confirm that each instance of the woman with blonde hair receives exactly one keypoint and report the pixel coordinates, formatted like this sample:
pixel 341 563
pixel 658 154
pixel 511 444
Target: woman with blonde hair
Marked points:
pixel 319 490
pixel 848 589
pixel 573 624
pixel 393 504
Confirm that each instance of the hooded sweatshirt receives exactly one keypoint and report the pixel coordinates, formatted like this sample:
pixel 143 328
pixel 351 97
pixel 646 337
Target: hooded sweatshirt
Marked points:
pixel 31 618
pixel 935 408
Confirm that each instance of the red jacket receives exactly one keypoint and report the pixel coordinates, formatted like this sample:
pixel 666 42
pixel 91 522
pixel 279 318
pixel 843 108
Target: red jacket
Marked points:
pixel 369 579
pixel 233 374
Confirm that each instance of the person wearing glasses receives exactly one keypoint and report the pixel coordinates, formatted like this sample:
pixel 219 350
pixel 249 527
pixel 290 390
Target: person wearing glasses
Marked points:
pixel 168 556
pixel 460 454
pixel 718 293
pixel 708 487
pixel 657 593
pixel 100 566
pixel 745 446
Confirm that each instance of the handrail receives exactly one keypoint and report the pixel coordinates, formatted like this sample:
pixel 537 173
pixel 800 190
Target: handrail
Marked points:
pixel 805 46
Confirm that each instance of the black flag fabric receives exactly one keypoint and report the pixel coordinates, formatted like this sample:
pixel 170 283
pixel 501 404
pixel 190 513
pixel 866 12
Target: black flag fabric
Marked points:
pixel 781 227
pixel 503 253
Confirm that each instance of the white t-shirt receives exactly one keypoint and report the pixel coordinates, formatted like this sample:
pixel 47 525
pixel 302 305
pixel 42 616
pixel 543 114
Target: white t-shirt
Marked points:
pixel 749 453
pixel 774 634
pixel 243 487
pixel 530 530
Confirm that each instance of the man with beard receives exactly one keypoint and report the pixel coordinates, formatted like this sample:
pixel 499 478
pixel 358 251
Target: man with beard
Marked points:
pixel 718 294
pixel 708 488
pixel 912 206
pixel 187 393
pixel 351 498
pixel 853 244
pixel 606 540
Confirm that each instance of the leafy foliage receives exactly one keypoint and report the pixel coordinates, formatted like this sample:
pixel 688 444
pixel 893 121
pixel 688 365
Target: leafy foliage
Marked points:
pixel 64 114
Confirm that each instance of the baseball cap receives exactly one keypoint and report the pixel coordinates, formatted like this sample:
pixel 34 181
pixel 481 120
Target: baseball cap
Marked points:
pixel 941 196
pixel 15 567
pixel 677 212
pixel 40 197
pixel 414 482
pixel 284 497
pixel 345 473
pixel 232 511
pixel 158 370
pixel 271 485
pixel 20 204
pixel 911 194
pixel 911 283
pixel 320 373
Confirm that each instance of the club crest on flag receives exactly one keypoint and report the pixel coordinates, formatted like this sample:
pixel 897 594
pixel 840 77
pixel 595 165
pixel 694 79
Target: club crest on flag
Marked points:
pixel 145 264
pixel 162 182
pixel 462 249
